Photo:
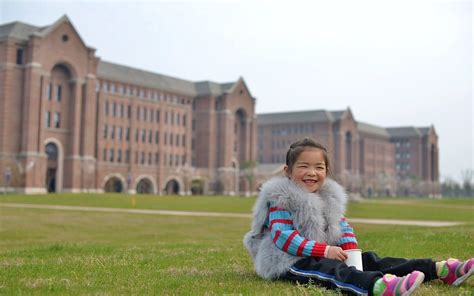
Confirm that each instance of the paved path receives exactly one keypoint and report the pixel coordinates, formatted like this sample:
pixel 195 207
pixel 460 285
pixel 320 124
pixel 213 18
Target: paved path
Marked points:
pixel 214 214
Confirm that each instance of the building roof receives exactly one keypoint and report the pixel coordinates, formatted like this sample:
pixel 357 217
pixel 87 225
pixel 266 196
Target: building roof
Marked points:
pixel 407 131
pixel 295 117
pixel 212 88
pixel 116 72
pixel 372 129
pixel 18 30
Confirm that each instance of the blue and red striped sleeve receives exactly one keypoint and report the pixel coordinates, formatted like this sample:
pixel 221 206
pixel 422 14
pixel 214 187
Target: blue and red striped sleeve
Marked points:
pixel 287 238
pixel 348 240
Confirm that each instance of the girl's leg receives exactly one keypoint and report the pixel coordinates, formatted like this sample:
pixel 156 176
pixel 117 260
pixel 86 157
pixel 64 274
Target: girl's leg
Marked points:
pixel 333 274
pixel 399 266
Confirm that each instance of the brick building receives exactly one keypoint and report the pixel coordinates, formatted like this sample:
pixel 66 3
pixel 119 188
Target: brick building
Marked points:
pixel 70 122
pixel 367 159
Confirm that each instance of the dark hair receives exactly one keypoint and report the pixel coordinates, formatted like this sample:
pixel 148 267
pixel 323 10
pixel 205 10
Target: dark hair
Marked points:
pixel 299 146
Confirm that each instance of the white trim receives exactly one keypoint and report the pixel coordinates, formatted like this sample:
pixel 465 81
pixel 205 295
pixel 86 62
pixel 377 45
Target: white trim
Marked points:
pixel 34 190
pixel 72 190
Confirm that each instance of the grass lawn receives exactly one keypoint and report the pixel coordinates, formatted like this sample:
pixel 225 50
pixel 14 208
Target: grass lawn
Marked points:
pixel 69 252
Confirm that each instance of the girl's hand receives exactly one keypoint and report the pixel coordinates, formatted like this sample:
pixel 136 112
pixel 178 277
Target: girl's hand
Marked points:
pixel 336 253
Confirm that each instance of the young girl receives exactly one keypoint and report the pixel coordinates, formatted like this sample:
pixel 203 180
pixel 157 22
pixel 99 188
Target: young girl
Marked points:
pixel 299 233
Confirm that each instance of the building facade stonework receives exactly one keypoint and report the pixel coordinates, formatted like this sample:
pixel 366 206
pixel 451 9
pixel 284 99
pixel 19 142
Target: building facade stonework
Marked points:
pixel 71 122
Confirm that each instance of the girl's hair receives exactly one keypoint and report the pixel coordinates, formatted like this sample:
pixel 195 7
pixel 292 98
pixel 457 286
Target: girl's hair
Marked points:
pixel 299 146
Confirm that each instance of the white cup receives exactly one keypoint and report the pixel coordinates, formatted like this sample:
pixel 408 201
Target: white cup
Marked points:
pixel 354 258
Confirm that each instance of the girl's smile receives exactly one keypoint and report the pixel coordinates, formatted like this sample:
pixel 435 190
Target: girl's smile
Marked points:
pixel 309 170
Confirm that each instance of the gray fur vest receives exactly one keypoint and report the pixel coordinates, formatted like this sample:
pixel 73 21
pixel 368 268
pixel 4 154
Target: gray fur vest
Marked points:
pixel 316 216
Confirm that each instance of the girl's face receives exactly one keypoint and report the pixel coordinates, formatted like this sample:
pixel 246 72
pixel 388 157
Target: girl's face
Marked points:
pixel 309 170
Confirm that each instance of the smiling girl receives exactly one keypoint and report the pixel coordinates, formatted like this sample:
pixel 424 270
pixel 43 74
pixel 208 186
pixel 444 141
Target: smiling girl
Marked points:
pixel 299 233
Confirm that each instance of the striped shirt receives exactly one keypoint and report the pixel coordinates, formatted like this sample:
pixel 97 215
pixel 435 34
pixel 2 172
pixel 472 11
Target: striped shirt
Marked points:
pixel 288 239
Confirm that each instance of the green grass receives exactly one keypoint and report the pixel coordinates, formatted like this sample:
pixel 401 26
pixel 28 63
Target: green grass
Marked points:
pixel 71 253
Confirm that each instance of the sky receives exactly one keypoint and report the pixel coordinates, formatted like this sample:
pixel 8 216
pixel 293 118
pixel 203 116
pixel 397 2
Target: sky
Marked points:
pixel 394 63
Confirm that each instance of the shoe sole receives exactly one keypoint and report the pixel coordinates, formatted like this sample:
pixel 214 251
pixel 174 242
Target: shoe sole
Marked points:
pixel 416 284
pixel 461 279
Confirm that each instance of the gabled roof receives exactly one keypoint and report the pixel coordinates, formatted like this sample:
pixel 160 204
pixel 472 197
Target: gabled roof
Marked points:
pixel 400 132
pixel 23 31
pixel 18 30
pixel 372 129
pixel 212 88
pixel 116 72
pixel 295 117
pixel 337 115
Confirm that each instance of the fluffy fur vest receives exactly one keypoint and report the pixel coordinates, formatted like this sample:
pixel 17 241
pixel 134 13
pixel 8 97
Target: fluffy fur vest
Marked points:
pixel 316 216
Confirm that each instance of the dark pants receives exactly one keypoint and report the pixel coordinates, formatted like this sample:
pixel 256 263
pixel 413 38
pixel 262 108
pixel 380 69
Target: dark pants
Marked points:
pixel 336 274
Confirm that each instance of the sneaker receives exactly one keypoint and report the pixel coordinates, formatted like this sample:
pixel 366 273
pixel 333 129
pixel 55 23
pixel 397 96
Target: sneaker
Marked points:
pixel 455 272
pixel 392 285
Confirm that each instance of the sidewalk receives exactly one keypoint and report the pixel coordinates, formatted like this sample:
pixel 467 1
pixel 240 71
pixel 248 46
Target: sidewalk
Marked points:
pixel 214 214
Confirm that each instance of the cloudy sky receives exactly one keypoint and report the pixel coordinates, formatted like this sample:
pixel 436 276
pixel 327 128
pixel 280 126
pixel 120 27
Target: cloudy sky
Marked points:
pixel 395 63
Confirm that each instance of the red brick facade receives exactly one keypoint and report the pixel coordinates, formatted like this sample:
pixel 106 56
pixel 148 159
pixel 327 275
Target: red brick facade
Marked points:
pixel 70 122
pixel 367 159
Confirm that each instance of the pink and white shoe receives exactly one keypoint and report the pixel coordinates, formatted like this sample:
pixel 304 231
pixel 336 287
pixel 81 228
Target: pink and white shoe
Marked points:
pixel 403 286
pixel 455 272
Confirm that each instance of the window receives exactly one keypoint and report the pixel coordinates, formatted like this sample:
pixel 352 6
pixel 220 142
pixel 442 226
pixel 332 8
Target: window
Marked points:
pixel 106 107
pixel 157 158
pixel 57 119
pixel 122 110
pixel 47 119
pixel 127 134
pixel 104 155
pixel 49 91
pixel 184 120
pixel 114 109
pixel 58 93
pixel 105 131
pixel 111 155
pixel 129 111
pixel 157 137
pixel 142 158
pixel 127 155
pixel 112 133
pixel 157 117
pixel 177 140
pixel 143 136
pixel 184 141
pixel 119 133
pixel 19 56
pixel 150 136
pixel 119 155
pixel 138 113
pixel 136 135
pixel 150 159
pixel 144 113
